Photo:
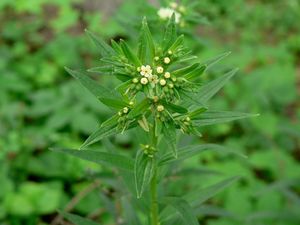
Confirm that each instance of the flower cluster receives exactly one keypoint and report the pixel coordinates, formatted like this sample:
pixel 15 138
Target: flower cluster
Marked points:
pixel 166 13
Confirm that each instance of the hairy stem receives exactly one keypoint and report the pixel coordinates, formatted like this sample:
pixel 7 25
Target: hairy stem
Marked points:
pixel 154 203
pixel 153 186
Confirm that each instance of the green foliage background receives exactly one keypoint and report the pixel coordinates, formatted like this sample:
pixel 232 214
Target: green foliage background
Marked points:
pixel 41 106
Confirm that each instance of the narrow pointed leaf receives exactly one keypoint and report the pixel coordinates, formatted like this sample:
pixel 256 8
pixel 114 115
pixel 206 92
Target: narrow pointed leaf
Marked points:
pixel 192 150
pixel 101 158
pixel 139 108
pixel 170 33
pixel 91 85
pixel 216 117
pixel 183 209
pixel 185 70
pixel 129 54
pixel 169 132
pixel 77 220
pixel 197 112
pixel 178 42
pixel 175 108
pixel 193 75
pixel 114 103
pixel 105 49
pixel 210 62
pixel 207 91
pixel 143 172
pixel 146 47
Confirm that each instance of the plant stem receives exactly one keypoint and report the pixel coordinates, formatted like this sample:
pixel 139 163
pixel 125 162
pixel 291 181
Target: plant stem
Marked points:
pixel 153 185
pixel 154 204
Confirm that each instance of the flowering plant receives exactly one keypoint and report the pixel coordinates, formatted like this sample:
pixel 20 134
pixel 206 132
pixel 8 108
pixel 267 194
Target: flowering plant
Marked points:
pixel 160 92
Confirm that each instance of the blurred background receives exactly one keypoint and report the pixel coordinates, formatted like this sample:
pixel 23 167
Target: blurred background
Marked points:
pixel 41 106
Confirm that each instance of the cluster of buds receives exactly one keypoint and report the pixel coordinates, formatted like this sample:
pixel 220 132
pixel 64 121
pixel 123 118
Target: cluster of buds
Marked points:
pixel 149 150
pixel 166 13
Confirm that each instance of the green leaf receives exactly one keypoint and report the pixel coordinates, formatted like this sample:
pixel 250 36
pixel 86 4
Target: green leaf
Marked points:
pixel 139 108
pixel 170 33
pixel 103 70
pixel 105 49
pixel 77 220
pixel 199 196
pixel 114 103
pixel 174 108
pixel 178 42
pixel 107 128
pixel 101 158
pixel 129 54
pixel 91 85
pixel 146 47
pixel 183 208
pixel 207 91
pixel 197 112
pixel 144 124
pixel 170 135
pixel 185 70
pixel 193 75
pixel 192 150
pixel 144 169
pixel 130 214
pixel 210 62
pixel 216 117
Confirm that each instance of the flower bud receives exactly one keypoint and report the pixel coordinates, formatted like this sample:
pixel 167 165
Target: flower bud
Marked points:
pixel 131 103
pixel 160 108
pixel 135 80
pixel 144 81
pixel 155 98
pixel 159 69
pixel 171 85
pixel 125 110
pixel 156 58
pixel 162 82
pixel 167 60
pixel 170 52
pixel 167 75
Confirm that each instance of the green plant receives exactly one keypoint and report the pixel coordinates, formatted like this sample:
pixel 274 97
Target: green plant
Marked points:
pixel 160 92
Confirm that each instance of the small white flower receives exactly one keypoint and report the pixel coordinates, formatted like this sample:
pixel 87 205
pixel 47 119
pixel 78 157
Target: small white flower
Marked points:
pixel 153 79
pixel 166 13
pixel 160 108
pixel 162 82
pixel 167 75
pixel 146 71
pixel 144 81
pixel 167 60
pixel 159 69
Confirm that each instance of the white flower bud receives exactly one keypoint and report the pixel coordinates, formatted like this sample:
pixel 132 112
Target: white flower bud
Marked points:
pixel 125 110
pixel 159 69
pixel 167 60
pixel 156 58
pixel 170 52
pixel 131 103
pixel 160 108
pixel 162 82
pixel 144 81
pixel 167 75
pixel 135 80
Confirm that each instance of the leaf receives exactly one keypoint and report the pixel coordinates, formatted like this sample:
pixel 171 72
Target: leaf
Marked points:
pixel 91 85
pixel 139 109
pixel 77 220
pixel 169 132
pixel 144 169
pixel 105 49
pixel 198 197
pixel 103 70
pixel 210 62
pixel 114 103
pixel 170 33
pixel 185 70
pixel 216 117
pixel 192 150
pixel 184 210
pixel 207 91
pixel 193 75
pixel 197 112
pixel 175 108
pixel 146 47
pixel 129 54
pixel 106 129
pixel 144 124
pixel 178 42
pixel 130 214
pixel 101 158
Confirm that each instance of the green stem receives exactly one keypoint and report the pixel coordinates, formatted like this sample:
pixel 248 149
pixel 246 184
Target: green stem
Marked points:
pixel 154 204
pixel 153 186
